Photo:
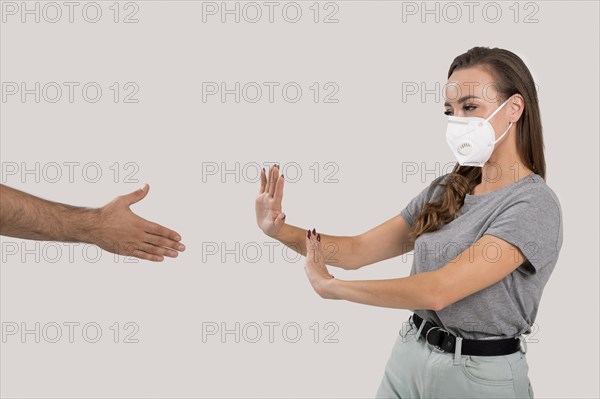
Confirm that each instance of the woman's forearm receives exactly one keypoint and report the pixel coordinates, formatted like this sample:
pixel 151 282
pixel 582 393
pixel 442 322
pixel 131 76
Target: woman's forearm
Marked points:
pixel 414 292
pixel 338 251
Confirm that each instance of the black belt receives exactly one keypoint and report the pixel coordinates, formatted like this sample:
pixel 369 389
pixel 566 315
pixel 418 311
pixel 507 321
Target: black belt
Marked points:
pixel 446 341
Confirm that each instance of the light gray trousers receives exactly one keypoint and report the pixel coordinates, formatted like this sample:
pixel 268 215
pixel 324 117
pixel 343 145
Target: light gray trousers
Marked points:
pixel 416 369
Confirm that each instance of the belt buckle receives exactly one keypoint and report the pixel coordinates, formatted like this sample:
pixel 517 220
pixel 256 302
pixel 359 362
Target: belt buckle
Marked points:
pixel 436 347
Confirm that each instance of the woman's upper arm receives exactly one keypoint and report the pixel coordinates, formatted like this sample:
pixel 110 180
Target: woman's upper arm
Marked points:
pixel 385 241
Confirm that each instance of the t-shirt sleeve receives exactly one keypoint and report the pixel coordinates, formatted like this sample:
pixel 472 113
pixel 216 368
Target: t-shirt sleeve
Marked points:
pixel 533 223
pixel 413 208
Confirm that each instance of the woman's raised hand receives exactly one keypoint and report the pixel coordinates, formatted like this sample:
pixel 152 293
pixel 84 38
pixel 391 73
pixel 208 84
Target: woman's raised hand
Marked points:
pixel 269 216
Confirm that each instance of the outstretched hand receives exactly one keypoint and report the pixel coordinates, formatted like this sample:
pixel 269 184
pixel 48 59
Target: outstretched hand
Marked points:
pixel 269 215
pixel 122 232
pixel 315 267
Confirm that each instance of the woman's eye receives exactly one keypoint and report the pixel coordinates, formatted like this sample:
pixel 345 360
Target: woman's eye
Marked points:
pixel 447 112
pixel 469 107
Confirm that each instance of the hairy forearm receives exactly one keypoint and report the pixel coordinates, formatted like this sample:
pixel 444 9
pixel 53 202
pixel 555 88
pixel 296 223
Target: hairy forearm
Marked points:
pixel 418 291
pixel 25 216
pixel 338 251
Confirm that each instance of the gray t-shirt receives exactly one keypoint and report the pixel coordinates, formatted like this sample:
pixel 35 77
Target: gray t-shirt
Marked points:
pixel 525 213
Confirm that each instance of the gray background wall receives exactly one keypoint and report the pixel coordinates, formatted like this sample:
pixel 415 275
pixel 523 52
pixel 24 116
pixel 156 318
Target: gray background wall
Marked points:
pixel 375 135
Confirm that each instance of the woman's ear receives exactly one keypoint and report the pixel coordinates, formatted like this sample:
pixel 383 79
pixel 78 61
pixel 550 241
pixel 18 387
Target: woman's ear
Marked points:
pixel 516 106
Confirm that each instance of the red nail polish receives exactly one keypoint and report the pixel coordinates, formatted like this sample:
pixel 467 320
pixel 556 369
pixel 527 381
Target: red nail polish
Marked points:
pixel 308 233
pixel 319 237
pixel 314 231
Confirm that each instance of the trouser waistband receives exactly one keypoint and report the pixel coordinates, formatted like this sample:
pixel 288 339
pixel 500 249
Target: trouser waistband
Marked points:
pixel 445 341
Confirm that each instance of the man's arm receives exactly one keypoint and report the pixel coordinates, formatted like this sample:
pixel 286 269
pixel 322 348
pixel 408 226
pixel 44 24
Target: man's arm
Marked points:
pixel 114 227
pixel 23 215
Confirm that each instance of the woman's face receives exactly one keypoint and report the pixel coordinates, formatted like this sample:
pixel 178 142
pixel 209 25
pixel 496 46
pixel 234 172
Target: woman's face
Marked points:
pixel 472 92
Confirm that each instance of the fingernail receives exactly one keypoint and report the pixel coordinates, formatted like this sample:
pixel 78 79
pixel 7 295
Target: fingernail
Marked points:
pixel 181 247
pixel 283 216
pixel 314 231
pixel 319 237
pixel 282 175
pixel 177 238
pixel 308 235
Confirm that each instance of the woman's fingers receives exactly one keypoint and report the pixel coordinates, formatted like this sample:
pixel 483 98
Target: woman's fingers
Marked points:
pixel 310 245
pixel 278 195
pixel 263 181
pixel 316 238
pixel 308 249
pixel 270 178
pixel 273 182
pixel 316 265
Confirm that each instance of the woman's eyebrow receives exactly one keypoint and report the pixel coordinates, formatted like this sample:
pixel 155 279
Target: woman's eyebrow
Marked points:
pixel 462 99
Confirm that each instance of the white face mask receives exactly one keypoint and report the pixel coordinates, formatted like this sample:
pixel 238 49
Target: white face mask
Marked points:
pixel 471 139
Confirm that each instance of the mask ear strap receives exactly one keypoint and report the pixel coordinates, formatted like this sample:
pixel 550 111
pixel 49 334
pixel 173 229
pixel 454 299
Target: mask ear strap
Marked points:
pixel 497 109
pixel 502 135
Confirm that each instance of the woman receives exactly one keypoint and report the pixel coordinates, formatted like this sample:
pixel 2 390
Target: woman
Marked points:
pixel 485 236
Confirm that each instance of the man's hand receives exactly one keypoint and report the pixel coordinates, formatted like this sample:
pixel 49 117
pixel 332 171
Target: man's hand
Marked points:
pixel 122 232
pixel 114 227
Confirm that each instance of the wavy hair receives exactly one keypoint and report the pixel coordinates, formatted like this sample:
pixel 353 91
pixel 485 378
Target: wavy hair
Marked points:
pixel 511 76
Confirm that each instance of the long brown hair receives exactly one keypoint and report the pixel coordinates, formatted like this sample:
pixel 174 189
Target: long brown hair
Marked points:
pixel 511 76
